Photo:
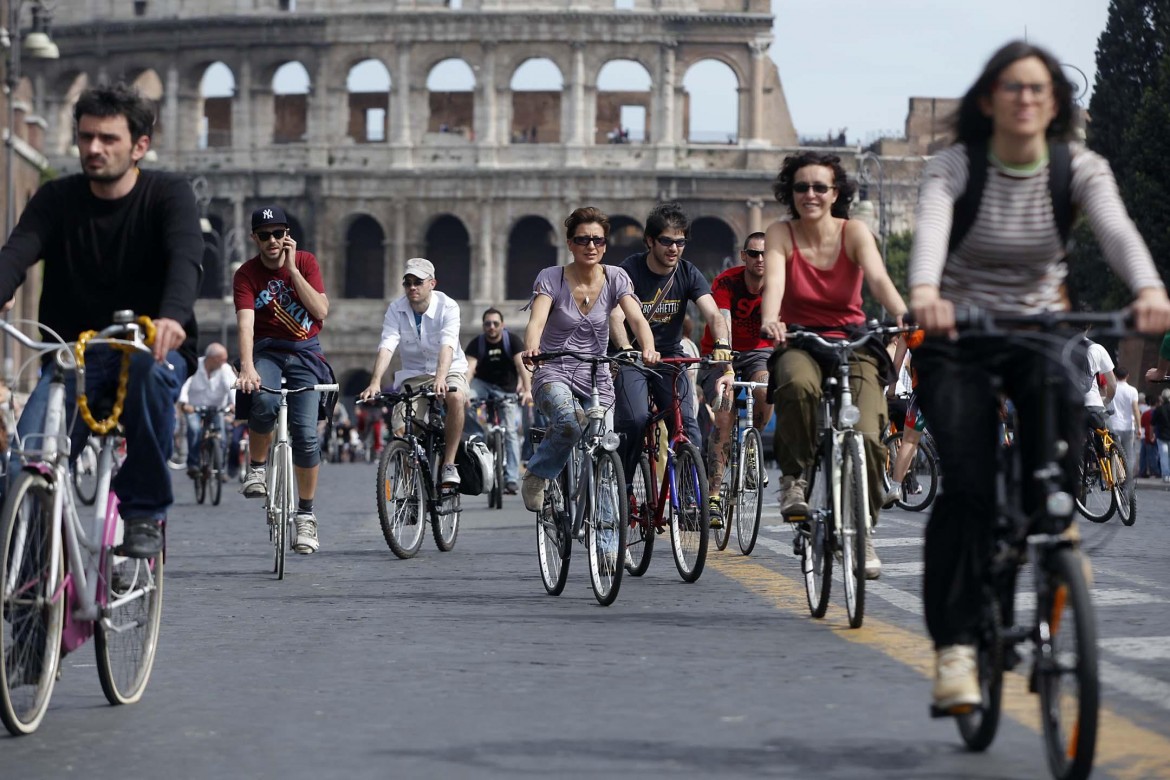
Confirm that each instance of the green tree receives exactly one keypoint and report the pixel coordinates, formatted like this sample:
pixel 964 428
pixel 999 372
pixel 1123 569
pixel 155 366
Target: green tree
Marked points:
pixel 1148 189
pixel 897 264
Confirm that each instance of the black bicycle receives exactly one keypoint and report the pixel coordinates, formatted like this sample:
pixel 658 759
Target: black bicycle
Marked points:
pixel 209 478
pixel 495 413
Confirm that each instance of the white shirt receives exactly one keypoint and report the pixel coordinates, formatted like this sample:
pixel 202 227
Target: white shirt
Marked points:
pixel 215 390
pixel 1099 363
pixel 1123 401
pixel 420 346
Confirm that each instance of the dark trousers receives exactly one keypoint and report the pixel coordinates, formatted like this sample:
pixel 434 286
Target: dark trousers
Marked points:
pixel 956 393
pixel 632 390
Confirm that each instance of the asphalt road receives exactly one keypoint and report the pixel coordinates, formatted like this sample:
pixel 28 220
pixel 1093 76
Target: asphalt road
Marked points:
pixel 458 665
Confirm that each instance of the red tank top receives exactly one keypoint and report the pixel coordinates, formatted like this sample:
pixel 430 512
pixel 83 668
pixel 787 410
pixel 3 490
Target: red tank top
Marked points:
pixel 821 298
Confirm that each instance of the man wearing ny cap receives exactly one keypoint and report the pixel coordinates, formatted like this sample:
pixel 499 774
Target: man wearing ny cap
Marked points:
pixel 280 305
pixel 425 322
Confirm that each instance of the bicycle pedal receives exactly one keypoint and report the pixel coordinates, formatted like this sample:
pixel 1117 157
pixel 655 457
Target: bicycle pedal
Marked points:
pixel 952 712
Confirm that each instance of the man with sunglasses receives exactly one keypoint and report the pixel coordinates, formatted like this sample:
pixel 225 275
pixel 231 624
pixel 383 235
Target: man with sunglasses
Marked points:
pixel 280 306
pixel 496 370
pixel 737 292
pixel 665 284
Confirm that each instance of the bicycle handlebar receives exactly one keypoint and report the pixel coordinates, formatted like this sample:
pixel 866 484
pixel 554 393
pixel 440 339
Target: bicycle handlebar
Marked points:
pixel 975 319
pixel 330 388
pixel 65 348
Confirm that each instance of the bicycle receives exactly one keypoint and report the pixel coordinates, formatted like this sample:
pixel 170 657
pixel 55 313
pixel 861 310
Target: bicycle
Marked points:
pixel 920 485
pixel 408 477
pixel 61 583
pixel 681 501
pixel 1104 485
pixel 495 441
pixel 209 478
pixel 84 470
pixel 743 474
pixel 1062 629
pixel 280 499
pixel 586 501
pixel 838 523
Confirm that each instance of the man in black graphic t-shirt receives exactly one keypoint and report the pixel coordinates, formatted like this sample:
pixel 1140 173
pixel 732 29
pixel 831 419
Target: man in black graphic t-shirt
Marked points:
pixel 496 371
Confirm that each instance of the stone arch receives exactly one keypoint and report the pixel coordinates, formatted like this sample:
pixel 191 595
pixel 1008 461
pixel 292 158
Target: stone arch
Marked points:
pixel 712 246
pixel 623 102
pixel 368 85
pixel 217 88
pixel 448 246
pixel 625 238
pixel 213 259
pixel 69 86
pixel 365 258
pixel 532 247
pixel 451 99
pixel 290 90
pixel 711 102
pixel 150 86
pixel 537 86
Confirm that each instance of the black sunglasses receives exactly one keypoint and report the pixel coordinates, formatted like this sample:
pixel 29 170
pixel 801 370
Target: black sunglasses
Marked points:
pixel 587 240
pixel 264 235
pixel 819 187
pixel 411 281
pixel 753 252
pixel 666 242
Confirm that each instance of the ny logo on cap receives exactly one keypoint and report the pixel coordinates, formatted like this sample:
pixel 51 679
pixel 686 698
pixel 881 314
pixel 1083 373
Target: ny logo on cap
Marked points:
pixel 267 213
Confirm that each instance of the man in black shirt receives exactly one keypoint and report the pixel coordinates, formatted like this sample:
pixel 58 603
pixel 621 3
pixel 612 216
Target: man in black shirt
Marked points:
pixel 496 370
pixel 115 237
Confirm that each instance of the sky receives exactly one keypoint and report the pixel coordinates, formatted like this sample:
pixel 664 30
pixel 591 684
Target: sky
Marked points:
pixel 855 63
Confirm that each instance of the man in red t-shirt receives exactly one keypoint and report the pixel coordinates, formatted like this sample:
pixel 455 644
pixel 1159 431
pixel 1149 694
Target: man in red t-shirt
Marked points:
pixel 280 304
pixel 737 293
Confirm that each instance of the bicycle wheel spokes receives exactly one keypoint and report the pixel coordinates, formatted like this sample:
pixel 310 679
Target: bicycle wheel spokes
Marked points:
pixel 1067 669
pixel 215 458
pixel 748 505
pixel 853 528
pixel 689 520
pixel 816 561
pixel 126 636
pixel 552 545
pixel 1094 488
pixel 921 482
pixel 605 532
pixel 445 522
pixel 722 534
pixel 399 499
pixel 1124 494
pixel 85 474
pixel 278 514
pixel 640 536
pixel 31 620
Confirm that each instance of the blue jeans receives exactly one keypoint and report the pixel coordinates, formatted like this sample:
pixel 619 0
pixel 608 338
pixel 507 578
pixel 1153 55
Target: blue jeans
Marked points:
pixel 632 389
pixel 1150 465
pixel 509 419
pixel 194 429
pixel 1164 455
pixel 143 484
pixel 566 422
pixel 302 407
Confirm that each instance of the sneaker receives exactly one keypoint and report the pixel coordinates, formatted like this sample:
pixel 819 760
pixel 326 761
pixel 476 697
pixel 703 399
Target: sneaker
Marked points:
pixel 449 476
pixel 306 539
pixel 792 503
pixel 511 489
pixel 891 496
pixel 254 484
pixel 142 538
pixel 715 511
pixel 956 678
pixel 532 491
pixel 873 564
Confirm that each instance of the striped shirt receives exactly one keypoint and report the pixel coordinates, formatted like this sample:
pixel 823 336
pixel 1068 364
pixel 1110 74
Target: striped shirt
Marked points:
pixel 1011 260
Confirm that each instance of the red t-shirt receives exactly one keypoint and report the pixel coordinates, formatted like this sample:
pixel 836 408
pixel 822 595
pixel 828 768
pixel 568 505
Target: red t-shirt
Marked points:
pixel 279 312
pixel 731 292
pixel 821 298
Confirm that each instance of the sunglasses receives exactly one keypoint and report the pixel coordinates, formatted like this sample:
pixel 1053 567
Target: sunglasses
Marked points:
pixel 819 187
pixel 490 324
pixel 587 240
pixel 663 241
pixel 264 235
pixel 410 281
pixel 754 252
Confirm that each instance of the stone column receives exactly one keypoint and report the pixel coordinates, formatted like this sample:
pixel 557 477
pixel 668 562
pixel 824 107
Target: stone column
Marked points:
pixel 486 121
pixel 400 135
pixel 759 54
pixel 665 126
pixel 755 215
pixel 398 262
pixel 170 114
pixel 485 267
pixel 242 107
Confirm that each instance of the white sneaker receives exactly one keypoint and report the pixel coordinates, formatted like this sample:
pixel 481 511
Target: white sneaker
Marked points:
pixel 449 476
pixel 873 564
pixel 892 496
pixel 254 484
pixel 532 491
pixel 306 539
pixel 956 678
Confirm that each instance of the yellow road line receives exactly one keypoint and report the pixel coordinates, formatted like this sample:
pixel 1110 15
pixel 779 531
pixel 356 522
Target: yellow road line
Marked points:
pixel 1124 749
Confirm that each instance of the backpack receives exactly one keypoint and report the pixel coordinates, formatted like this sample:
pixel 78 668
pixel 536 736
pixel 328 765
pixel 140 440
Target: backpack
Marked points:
pixel 481 345
pixel 476 465
pixel 1059 189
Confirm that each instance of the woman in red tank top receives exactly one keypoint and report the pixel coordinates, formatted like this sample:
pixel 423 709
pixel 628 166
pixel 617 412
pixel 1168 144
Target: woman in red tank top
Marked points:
pixel 814 265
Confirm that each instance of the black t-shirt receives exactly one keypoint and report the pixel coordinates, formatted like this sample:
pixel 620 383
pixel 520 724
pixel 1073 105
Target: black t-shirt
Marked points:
pixel 496 366
pixel 142 252
pixel 689 284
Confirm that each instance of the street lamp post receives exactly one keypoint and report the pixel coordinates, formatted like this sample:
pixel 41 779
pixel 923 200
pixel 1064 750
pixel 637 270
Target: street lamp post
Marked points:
pixel 866 161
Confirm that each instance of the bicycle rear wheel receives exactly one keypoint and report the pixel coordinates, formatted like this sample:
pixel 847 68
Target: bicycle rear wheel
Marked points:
pixel 921 481
pixel 605 532
pixel 853 528
pixel 978 727
pixel 1066 670
pixel 689 521
pixel 496 495
pixel 553 545
pixel 215 483
pixel 640 536
pixel 400 500
pixel 748 504
pixel 31 619
pixel 126 636
pixel 1094 493
pixel 1124 494
pixel 445 520
pixel 84 472
pixel 816 559
pixel 722 534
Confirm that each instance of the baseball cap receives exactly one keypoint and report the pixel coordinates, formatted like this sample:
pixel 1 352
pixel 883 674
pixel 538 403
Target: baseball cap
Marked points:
pixel 268 215
pixel 420 267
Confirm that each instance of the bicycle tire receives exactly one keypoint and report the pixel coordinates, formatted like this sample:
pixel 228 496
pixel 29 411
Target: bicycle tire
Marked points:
pixel 1094 499
pixel 853 528
pixel 553 547
pixel 610 516
pixel 278 511
pixel 1124 493
pixel 816 556
pixel 30 637
pixel 399 492
pixel 749 504
pixel 923 473
pixel 496 497
pixel 126 647
pixel 640 537
pixel 722 534
pixel 84 472
pixel 444 525
pixel 978 727
pixel 1070 750
pixel 200 479
pixel 690 520
pixel 215 484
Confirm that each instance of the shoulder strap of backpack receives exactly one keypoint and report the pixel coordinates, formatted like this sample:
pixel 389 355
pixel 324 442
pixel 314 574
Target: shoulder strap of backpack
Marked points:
pixel 507 343
pixel 967 206
pixel 480 347
pixel 1060 188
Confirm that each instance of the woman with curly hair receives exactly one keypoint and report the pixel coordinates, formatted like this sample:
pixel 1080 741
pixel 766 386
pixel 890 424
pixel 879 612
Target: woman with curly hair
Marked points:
pixel 814 265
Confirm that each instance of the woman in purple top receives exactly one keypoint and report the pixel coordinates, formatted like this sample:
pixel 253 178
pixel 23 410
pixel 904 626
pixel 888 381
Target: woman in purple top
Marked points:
pixel 569 311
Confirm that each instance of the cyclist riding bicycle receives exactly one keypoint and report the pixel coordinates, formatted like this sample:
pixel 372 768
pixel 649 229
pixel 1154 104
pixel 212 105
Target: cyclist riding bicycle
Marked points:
pixel 280 307
pixel 116 237
pixel 1002 250
pixel 211 386
pixel 425 322
pixel 497 371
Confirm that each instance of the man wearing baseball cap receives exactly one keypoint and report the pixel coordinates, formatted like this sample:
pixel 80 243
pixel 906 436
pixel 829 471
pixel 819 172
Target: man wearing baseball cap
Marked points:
pixel 425 322
pixel 280 305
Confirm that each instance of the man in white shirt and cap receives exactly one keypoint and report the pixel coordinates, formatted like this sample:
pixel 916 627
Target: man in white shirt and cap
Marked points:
pixel 211 386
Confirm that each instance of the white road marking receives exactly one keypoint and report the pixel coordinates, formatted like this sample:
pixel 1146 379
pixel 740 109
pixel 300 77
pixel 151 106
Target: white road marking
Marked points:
pixel 1139 648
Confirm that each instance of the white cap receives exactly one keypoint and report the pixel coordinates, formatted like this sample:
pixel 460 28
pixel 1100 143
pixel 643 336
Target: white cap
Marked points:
pixel 419 267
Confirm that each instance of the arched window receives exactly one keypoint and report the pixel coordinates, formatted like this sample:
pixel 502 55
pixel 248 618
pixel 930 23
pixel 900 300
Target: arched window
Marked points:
pixel 532 246
pixel 449 248
pixel 290 90
pixel 365 258
pixel 712 246
pixel 451 99
pixel 712 97
pixel 217 88
pixel 625 239
pixel 149 85
pixel 368 85
pixel 623 103
pixel 536 102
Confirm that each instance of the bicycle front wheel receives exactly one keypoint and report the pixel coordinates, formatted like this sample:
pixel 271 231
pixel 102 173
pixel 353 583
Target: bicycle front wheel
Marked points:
pixel 816 559
pixel 748 504
pixel 921 481
pixel 400 500
pixel 605 532
pixel 279 508
pixel 689 519
pixel 85 473
pixel 853 527
pixel 1094 489
pixel 640 536
pixel 126 636
pixel 201 479
pixel 1124 494
pixel 496 497
pixel 31 612
pixel 215 483
pixel 553 545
